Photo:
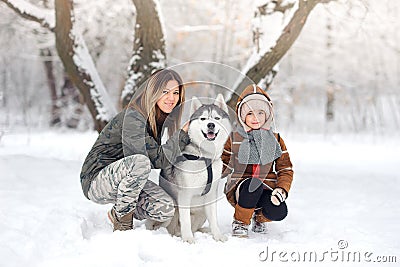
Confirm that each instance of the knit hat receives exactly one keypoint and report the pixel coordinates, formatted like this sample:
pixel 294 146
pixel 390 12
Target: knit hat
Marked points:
pixel 253 102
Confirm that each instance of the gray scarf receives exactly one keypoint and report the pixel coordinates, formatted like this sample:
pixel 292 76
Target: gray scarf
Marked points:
pixel 258 147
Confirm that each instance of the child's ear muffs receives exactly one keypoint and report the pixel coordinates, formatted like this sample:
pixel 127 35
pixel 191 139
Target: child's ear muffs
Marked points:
pixel 266 95
pixel 269 99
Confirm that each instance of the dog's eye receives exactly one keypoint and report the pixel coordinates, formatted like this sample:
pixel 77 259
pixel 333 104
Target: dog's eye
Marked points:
pixel 217 118
pixel 203 119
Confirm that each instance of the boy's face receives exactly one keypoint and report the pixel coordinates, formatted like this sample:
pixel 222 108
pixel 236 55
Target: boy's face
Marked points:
pixel 255 119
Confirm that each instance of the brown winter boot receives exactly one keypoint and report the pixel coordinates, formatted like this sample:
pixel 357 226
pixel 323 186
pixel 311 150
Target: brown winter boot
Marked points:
pixel 123 223
pixel 242 214
pixel 260 223
pixel 259 217
pixel 240 225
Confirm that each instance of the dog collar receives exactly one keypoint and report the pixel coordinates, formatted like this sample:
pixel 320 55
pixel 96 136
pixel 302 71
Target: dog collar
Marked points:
pixel 207 161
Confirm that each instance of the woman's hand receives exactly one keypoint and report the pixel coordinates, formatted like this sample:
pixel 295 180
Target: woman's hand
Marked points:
pixel 186 127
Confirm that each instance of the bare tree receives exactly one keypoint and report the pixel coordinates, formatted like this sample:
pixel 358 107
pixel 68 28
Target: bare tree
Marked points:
pixel 330 91
pixel 30 12
pixel 5 90
pixel 73 53
pixel 39 16
pixel 148 49
pixel 79 65
pixel 263 67
pixel 46 55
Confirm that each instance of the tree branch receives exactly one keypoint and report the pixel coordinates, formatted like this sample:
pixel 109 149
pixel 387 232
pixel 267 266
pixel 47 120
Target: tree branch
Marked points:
pixel 264 66
pixel 30 12
pixel 79 65
pixel 326 1
pixel 275 6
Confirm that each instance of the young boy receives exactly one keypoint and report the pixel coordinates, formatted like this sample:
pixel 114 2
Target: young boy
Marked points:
pixel 259 164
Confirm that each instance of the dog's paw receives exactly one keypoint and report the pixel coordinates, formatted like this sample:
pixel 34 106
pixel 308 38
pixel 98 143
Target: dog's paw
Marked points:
pixel 149 225
pixel 220 237
pixel 189 239
pixel 155 225
pixel 152 225
pixel 204 230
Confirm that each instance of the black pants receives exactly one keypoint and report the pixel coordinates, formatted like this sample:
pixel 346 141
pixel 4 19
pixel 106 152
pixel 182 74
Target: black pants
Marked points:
pixel 252 194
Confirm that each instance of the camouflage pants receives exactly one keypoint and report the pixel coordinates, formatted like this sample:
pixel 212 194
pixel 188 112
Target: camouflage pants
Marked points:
pixel 125 184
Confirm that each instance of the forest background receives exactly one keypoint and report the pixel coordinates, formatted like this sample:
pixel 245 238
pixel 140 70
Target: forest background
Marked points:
pixel 342 74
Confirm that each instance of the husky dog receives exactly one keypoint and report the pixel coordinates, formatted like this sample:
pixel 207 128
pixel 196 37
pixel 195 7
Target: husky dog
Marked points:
pixel 193 179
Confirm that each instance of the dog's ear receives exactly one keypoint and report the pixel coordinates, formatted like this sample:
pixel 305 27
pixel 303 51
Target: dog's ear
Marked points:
pixel 220 102
pixel 195 104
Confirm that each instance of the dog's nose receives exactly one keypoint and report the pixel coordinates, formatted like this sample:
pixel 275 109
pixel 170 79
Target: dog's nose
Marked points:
pixel 211 125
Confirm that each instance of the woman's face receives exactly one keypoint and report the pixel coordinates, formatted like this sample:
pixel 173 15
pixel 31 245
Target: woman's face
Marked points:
pixel 169 97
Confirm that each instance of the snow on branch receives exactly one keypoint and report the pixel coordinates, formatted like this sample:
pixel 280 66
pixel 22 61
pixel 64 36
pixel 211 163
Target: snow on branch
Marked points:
pixel 84 62
pixel 79 65
pixel 274 33
pixel 148 47
pixel 277 17
pixel 31 12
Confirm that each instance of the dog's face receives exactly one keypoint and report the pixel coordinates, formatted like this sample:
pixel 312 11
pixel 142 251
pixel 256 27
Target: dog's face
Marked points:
pixel 209 123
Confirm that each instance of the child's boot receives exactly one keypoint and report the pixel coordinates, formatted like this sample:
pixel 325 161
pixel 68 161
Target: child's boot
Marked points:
pixel 241 222
pixel 260 223
pixel 240 229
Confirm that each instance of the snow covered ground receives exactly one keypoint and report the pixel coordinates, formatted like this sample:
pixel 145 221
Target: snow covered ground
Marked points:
pixel 343 202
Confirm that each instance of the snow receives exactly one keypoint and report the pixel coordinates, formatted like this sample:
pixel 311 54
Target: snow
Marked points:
pixel 345 188
pixel 132 76
pixel 198 28
pixel 268 79
pixel 269 35
pixel 46 16
pixel 83 60
pixel 158 11
pixel 159 60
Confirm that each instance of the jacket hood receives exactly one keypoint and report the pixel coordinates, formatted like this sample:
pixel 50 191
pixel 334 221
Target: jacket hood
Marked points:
pixel 254 93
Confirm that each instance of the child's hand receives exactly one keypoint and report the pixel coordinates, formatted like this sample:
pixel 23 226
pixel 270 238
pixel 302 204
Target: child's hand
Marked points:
pixel 278 196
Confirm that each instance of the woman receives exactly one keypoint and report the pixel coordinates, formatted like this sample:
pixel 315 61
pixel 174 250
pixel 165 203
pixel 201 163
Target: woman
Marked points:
pixel 117 167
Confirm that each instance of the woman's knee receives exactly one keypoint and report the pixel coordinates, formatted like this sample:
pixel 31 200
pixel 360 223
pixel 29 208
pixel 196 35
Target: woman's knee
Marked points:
pixel 137 163
pixel 162 209
pixel 155 203
pixel 167 213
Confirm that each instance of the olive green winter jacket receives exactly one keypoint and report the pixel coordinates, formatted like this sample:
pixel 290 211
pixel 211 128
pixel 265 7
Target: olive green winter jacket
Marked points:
pixel 129 134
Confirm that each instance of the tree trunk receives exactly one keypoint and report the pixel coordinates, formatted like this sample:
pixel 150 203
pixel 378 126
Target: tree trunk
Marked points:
pixel 4 94
pixel 51 83
pixel 149 51
pixel 148 47
pixel 330 92
pixel 67 42
pixel 72 102
pixel 265 65
pixel 330 100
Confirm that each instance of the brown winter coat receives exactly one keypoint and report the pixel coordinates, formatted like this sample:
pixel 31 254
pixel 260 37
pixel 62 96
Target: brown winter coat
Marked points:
pixel 277 174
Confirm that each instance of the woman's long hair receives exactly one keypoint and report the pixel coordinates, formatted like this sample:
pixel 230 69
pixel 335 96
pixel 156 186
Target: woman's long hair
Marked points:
pixel 146 100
